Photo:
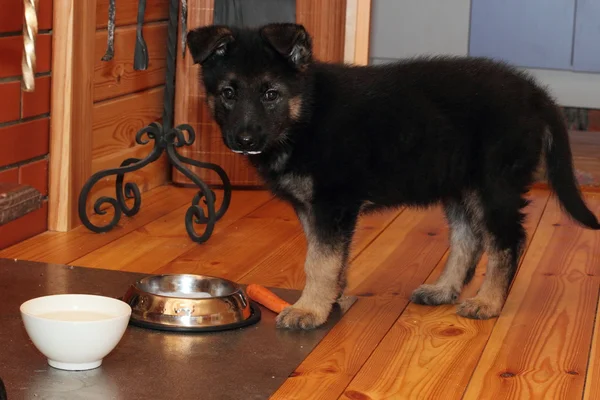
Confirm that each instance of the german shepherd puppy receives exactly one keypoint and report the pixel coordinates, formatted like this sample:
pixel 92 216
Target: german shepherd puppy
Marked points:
pixel 336 141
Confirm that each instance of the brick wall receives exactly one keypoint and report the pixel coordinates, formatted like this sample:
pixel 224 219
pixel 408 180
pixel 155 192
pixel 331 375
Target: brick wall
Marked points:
pixel 24 117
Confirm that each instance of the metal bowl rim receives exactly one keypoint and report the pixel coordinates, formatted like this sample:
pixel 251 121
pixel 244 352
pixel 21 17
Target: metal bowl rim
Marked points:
pixel 237 286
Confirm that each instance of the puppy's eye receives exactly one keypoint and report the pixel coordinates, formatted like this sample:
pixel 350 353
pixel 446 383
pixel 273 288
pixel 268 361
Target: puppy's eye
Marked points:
pixel 221 49
pixel 228 93
pixel 271 95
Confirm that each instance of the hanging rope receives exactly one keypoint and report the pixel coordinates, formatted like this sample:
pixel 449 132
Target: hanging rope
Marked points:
pixel 30 30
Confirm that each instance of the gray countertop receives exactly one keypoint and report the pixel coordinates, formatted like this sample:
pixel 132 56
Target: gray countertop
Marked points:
pixel 247 363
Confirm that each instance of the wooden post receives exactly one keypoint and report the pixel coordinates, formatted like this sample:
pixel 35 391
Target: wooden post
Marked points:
pixel 358 29
pixel 72 100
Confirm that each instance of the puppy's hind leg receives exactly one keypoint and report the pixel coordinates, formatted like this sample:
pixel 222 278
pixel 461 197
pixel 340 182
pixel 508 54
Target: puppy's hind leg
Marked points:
pixel 466 247
pixel 329 234
pixel 505 242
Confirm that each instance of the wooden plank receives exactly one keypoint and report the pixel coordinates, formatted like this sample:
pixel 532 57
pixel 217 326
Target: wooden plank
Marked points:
pixel 117 77
pixel 417 238
pixel 63 248
pixel 71 109
pixel 363 32
pixel 592 381
pixel 358 32
pixel 328 369
pixel 539 346
pixel 154 245
pixel 144 174
pixel 401 366
pixel 126 12
pixel 399 260
pixel 242 245
pixel 350 31
pixel 285 266
pixel 151 176
pixel 116 122
pixel 325 21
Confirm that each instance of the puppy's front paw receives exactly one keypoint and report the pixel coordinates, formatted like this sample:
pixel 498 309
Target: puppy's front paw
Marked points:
pixel 298 318
pixel 478 308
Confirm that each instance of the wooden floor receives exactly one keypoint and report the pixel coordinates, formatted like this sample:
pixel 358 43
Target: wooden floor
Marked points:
pixel 544 346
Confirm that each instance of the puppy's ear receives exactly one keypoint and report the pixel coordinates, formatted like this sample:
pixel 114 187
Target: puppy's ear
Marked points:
pixel 208 40
pixel 292 41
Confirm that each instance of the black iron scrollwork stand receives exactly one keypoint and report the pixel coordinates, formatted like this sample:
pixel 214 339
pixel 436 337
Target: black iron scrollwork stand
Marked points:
pixel 167 139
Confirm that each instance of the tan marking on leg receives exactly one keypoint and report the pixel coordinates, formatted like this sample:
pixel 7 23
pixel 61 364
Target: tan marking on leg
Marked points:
pixel 473 206
pixel 491 297
pixel 295 105
pixel 301 187
pixel 465 251
pixel 322 268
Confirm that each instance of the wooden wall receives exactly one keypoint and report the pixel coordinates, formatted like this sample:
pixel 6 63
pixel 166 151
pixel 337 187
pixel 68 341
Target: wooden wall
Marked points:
pixel 325 21
pixel 191 109
pixel 126 100
pixel 24 117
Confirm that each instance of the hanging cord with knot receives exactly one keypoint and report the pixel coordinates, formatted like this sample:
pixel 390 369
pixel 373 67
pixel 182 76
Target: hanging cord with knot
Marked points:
pixel 30 30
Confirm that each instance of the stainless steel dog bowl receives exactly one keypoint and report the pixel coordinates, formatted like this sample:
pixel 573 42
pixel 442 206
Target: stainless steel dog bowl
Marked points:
pixel 184 302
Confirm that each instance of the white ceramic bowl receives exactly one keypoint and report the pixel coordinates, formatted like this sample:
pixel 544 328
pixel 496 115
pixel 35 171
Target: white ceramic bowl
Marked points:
pixel 75 331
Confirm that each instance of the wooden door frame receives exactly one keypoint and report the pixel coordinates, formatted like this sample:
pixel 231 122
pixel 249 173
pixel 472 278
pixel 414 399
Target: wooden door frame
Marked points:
pixel 72 102
pixel 358 29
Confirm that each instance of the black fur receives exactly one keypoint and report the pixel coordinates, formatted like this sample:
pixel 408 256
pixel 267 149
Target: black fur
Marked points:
pixel 413 133
pixel 3 395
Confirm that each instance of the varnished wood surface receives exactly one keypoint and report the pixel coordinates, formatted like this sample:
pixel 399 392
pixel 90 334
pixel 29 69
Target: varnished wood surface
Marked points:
pixel 357 32
pixel 117 77
pixel 592 383
pixel 126 100
pixel 126 12
pixel 71 109
pixel 540 346
pixel 543 346
pixel 115 123
pixel 401 367
pixel 93 101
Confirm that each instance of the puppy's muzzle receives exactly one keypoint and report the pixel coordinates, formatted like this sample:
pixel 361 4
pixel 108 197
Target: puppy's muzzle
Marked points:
pixel 247 143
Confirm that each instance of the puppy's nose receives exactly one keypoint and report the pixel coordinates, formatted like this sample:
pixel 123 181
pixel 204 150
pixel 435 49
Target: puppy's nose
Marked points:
pixel 245 140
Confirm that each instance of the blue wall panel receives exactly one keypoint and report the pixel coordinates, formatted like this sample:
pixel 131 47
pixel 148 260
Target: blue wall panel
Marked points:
pixel 526 33
pixel 586 52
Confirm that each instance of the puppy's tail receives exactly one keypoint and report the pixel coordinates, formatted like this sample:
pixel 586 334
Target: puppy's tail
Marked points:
pixel 559 165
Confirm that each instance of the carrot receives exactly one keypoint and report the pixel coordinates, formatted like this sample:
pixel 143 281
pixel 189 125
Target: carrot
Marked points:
pixel 264 296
